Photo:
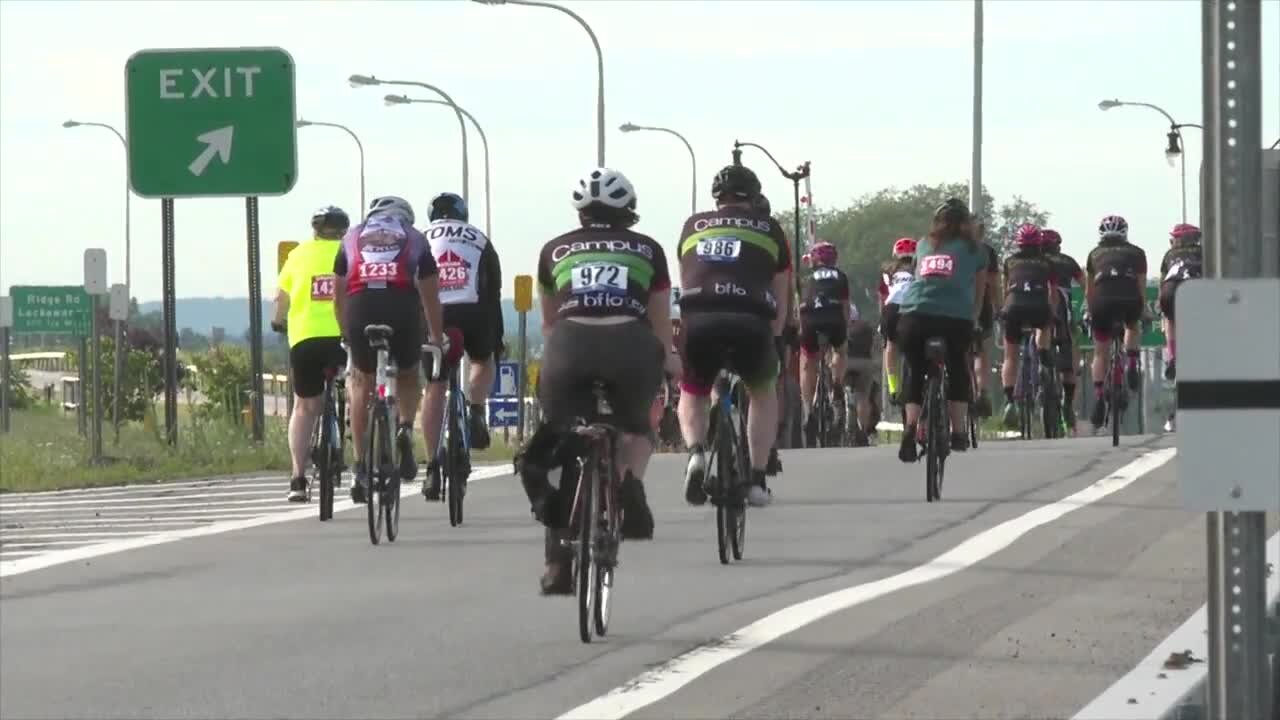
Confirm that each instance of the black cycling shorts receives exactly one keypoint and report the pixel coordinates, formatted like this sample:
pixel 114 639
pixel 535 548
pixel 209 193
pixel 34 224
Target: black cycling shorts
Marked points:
pixel 626 357
pixel 826 321
pixel 398 309
pixel 713 338
pixel 478 327
pixel 889 322
pixel 1167 291
pixel 1105 311
pixel 309 361
pixel 914 331
pixel 1023 316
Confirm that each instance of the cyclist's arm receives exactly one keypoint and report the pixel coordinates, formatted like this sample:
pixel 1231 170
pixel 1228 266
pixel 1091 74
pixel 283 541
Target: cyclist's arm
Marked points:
pixel 339 286
pixel 429 296
pixel 492 284
pixel 980 290
pixel 781 282
pixel 659 313
pixel 282 306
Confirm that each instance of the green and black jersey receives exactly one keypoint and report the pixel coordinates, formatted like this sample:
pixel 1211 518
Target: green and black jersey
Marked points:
pixel 728 258
pixel 602 271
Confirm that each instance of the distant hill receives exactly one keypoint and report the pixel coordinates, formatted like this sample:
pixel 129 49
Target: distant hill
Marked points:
pixel 232 314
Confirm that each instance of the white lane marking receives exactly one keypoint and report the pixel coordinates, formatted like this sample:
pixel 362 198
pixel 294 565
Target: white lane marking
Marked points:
pixel 20 553
pixel 46 543
pixel 125 521
pixel 9 568
pixel 1151 690
pixel 12 508
pixel 4 540
pixel 267 501
pixel 674 674
pixel 248 481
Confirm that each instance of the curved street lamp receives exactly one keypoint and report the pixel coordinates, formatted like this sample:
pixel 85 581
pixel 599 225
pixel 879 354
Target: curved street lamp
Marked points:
pixel 693 199
pixel 599 63
pixel 484 142
pixel 801 172
pixel 1174 149
pixel 368 80
pixel 359 147
pixel 128 261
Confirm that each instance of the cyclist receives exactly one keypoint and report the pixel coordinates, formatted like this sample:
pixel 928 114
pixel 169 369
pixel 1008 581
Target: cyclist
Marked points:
pixel 824 310
pixel 1184 260
pixel 860 372
pixel 1115 291
pixel 471 292
pixel 1066 271
pixel 305 299
pixel 606 309
pixel 386 276
pixel 1030 302
pixel 734 264
pixel 895 277
pixel 944 301
pixel 990 309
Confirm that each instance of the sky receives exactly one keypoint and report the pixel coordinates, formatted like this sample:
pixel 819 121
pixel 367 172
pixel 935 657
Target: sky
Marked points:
pixel 874 94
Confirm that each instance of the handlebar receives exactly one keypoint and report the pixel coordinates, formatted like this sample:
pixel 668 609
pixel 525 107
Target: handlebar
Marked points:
pixel 437 359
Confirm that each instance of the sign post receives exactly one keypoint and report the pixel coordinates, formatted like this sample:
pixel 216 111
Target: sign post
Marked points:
pixel 524 303
pixel 504 396
pixel 211 122
pixel 6 322
pixel 95 284
pixel 283 248
pixel 118 312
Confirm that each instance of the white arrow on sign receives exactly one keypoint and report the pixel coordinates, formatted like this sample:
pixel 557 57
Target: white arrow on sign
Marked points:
pixel 504 414
pixel 216 142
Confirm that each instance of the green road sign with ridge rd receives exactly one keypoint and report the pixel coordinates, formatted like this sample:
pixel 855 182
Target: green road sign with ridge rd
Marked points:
pixel 211 122
pixel 57 310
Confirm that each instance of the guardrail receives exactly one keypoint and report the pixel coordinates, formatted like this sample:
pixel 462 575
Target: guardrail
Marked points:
pixel 46 361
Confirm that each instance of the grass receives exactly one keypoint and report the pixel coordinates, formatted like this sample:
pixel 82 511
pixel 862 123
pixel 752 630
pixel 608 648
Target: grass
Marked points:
pixel 44 451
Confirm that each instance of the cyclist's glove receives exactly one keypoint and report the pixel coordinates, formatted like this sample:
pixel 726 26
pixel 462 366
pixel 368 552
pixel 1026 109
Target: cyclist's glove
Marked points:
pixel 279 327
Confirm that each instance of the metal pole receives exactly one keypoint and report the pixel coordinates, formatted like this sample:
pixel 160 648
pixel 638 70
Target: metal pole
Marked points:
pixel 255 320
pixel 1232 101
pixel 975 182
pixel 4 381
pixel 95 345
pixel 484 143
pixel 1182 161
pixel 115 384
pixel 170 324
pixel 524 374
pixel 82 371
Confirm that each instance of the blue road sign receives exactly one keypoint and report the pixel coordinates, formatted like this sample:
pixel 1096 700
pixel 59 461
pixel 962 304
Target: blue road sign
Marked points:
pixel 506 382
pixel 503 412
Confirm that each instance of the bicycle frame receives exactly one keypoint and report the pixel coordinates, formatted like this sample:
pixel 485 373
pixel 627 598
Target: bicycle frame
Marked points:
pixel 455 401
pixel 1028 391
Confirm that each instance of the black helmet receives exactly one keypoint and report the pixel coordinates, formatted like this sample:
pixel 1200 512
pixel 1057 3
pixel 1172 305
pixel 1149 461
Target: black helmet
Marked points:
pixel 448 205
pixel 761 203
pixel 736 182
pixel 954 210
pixel 330 217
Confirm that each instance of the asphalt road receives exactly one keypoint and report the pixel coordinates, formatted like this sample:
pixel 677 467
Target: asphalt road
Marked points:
pixel 307 620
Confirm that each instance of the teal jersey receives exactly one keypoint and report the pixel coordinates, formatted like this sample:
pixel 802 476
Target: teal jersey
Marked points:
pixel 946 279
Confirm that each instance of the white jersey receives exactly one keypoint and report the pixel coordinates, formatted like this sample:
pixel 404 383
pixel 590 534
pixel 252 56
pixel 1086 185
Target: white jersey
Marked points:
pixel 457 247
pixel 898 284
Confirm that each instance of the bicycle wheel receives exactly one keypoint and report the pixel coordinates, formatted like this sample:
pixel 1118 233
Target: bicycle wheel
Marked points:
pixel 1052 412
pixel 726 523
pixel 327 460
pixel 588 520
pixel 453 451
pixel 376 459
pixel 738 529
pixel 391 497
pixel 605 551
pixel 1117 388
pixel 933 443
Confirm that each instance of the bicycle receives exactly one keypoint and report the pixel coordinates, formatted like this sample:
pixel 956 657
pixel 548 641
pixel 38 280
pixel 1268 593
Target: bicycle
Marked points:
pixel 1028 390
pixel 972 411
pixel 596 518
pixel 382 457
pixel 824 405
pixel 328 443
pixel 933 429
pixel 1117 396
pixel 453 452
pixel 730 465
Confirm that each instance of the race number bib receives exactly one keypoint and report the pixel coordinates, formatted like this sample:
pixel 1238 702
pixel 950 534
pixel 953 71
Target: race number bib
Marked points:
pixel 595 277
pixel 380 271
pixel 322 287
pixel 825 274
pixel 719 249
pixel 937 266
pixel 453 277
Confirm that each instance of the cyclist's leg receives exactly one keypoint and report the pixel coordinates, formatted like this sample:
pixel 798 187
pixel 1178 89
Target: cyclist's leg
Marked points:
pixel 307 362
pixel 406 351
pixel 913 329
pixel 889 329
pixel 479 332
pixel 839 335
pixel 432 420
pixel 699 348
pixel 758 368
pixel 1012 360
pixel 809 361
pixel 1102 314
pixel 1132 341
pixel 629 359
pixel 363 309
pixel 1167 292
pixel 959 334
pixel 982 359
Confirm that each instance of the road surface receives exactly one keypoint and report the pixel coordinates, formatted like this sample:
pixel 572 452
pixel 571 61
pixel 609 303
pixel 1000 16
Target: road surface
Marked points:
pixel 1048 604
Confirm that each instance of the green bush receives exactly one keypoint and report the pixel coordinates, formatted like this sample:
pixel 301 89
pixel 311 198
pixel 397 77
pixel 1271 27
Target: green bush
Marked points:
pixel 222 379
pixel 21 394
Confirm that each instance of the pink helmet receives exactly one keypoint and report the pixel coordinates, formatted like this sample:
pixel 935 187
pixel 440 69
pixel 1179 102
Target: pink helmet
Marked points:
pixel 1184 233
pixel 823 253
pixel 1050 237
pixel 1028 235
pixel 904 247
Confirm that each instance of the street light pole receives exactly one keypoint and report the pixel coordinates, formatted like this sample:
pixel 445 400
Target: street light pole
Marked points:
pixel 599 64
pixel 1175 139
pixel 693 191
pixel 359 148
pixel 484 142
pixel 800 173
pixel 367 80
pixel 975 182
pixel 128 194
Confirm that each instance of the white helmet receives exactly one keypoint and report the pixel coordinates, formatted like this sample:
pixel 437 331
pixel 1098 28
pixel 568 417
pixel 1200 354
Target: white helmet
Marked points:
pixel 607 187
pixel 1113 226
pixel 392 205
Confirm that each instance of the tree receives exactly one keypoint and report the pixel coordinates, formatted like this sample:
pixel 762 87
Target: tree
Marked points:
pixel 864 231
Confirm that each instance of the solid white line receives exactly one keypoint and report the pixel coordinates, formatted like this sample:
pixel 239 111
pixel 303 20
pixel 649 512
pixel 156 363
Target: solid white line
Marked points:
pixel 127 520
pixel 667 678
pixel 19 553
pixel 88 535
pixel 277 501
pixel 145 487
pixel 88 539
pixel 1150 691
pixel 11 508
pixel 9 568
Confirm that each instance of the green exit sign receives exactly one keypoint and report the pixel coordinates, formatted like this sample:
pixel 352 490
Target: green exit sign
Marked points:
pixel 211 122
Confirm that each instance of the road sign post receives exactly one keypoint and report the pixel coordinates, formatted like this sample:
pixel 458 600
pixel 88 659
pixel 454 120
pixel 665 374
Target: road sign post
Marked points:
pixel 1234 383
pixel 524 303
pixel 211 122
pixel 504 397
pixel 255 320
pixel 170 304
pixel 95 284
pixel 118 312
pixel 6 322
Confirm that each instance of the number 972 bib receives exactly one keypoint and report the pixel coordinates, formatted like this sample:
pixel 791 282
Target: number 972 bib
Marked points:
pixel 600 277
